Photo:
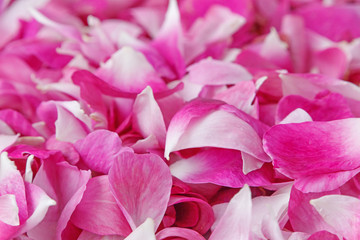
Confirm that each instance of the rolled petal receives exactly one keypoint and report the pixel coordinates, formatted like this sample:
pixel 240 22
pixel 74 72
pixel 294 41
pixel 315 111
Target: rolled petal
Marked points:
pixel 176 232
pixel 149 197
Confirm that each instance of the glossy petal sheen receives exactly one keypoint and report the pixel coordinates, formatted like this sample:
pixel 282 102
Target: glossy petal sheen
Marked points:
pixel 141 185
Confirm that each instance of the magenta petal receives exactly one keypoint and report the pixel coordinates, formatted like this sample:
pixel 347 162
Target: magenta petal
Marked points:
pixel 323 235
pixel 175 232
pixel 99 149
pixel 325 107
pixel 235 223
pixel 98 211
pixel 311 148
pixel 141 185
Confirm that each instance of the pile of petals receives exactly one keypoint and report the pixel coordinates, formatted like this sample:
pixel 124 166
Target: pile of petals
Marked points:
pixel 188 119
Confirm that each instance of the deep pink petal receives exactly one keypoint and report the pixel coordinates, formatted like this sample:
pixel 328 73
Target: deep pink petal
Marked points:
pixel 98 211
pixel 149 196
pixel 323 235
pixel 311 148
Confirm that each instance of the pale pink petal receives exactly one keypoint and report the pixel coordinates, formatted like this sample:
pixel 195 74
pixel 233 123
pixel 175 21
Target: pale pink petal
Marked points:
pixel 215 72
pixel 218 166
pixel 143 232
pixel 149 196
pixel 129 70
pixel 98 211
pixel 147 116
pixel 11 182
pixel 68 127
pixel 175 232
pixel 9 211
pixel 341 212
pixel 235 223
pixel 99 149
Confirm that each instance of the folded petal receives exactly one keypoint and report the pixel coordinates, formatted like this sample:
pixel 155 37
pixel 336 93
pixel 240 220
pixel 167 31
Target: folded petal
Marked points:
pixel 98 211
pixel 141 185
pixel 235 223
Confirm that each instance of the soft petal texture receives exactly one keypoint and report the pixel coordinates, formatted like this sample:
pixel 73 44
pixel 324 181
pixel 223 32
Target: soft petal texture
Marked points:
pixel 310 149
pixel 98 211
pixel 190 129
pixel 99 150
pixel 214 72
pixel 236 220
pixel 323 235
pixel 9 212
pixel 149 197
pixel 341 212
pixel 218 166
pixel 143 232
